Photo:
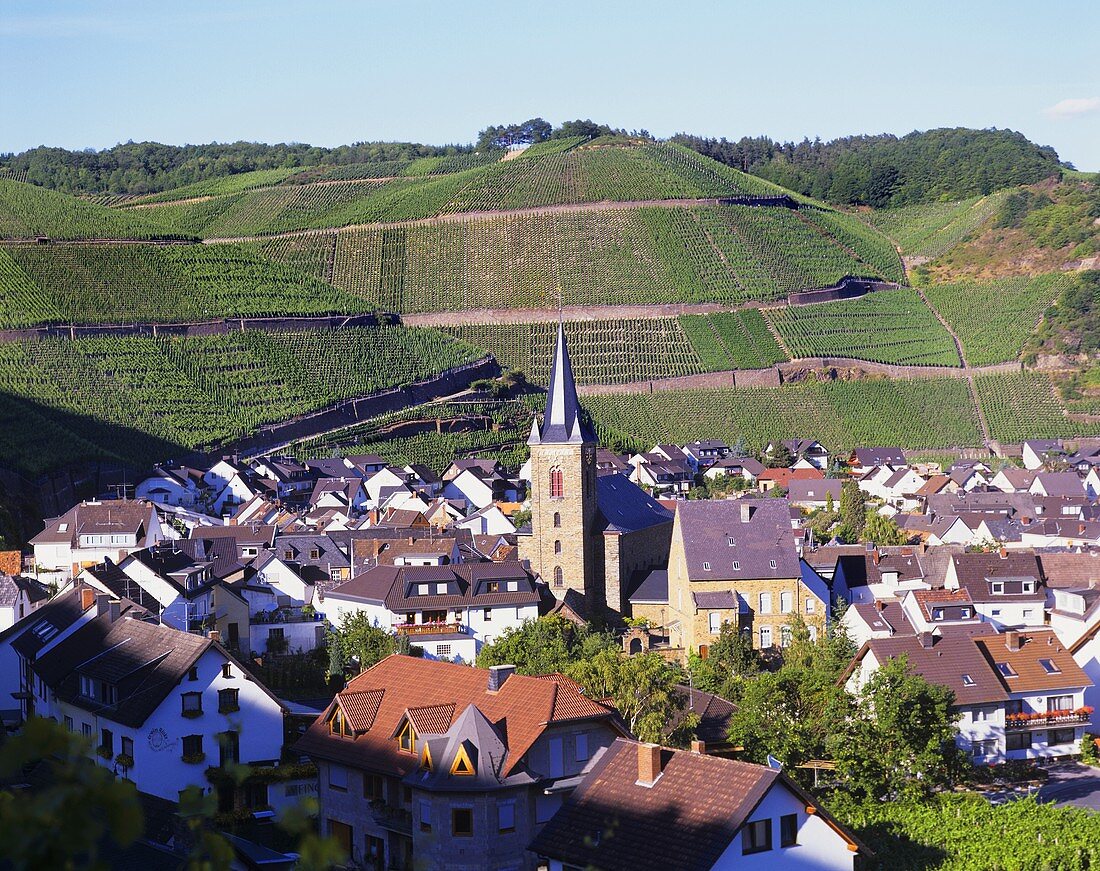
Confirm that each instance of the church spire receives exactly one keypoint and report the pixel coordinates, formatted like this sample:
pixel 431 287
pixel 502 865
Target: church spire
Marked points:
pixel 563 422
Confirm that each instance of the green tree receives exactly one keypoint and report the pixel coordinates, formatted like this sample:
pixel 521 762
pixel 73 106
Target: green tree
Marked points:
pixel 853 512
pixel 900 740
pixel 779 458
pixel 882 530
pixel 642 688
pixel 548 645
pixel 730 660
pixel 364 643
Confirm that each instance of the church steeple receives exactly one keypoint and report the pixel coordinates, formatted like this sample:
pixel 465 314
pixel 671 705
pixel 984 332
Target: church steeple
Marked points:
pixel 563 422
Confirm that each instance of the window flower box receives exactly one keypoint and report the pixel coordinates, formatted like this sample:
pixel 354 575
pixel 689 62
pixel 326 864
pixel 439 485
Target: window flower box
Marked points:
pixel 192 714
pixel 193 758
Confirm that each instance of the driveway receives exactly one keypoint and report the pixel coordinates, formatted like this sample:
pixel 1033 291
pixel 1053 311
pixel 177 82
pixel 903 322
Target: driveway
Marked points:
pixel 1073 784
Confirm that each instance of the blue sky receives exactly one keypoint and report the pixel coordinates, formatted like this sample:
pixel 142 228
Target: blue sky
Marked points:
pixel 94 73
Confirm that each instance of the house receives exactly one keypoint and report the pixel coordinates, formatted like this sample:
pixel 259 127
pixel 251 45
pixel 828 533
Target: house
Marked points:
pixel 172 485
pixel 1017 695
pixel 1038 452
pixel 898 488
pixel 475 487
pixel 736 467
pixel 1004 587
pixel 91 532
pixel 160 706
pixel 814 494
pixel 449 611
pixel 863 459
pixel 648 808
pixel 705 453
pixel 649 597
pixel 805 453
pixel 1066 484
pixel 434 765
pixel 1012 480
pixel 19 596
pixel 344 494
pixel 293 478
pixel 490 520
pixel 878 619
pixel 663 476
pixel 738 561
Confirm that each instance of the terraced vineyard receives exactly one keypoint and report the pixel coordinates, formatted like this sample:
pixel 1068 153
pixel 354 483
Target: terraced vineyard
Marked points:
pixel 128 283
pixel 932 229
pixel 993 319
pixel 924 413
pixel 229 184
pixel 27 211
pixel 732 340
pixel 151 393
pixel 1025 405
pixel 602 352
pixel 889 326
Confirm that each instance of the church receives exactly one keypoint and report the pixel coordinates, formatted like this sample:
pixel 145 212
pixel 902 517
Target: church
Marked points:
pixel 593 537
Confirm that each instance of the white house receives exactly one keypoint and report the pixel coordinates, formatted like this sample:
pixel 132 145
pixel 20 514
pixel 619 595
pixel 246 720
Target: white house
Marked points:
pixel 160 705
pixel 19 596
pixel 90 532
pixel 488 521
pixel 709 812
pixel 179 486
pixel 1038 452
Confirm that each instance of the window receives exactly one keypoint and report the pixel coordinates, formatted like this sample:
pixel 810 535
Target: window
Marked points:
pixel 338 725
pixel 937 613
pixel 811 606
pixel 788 830
pixel 967 680
pixel 1018 740
pixel 425 815
pixel 462 766
pixel 192 704
pixel 1006 669
pixel 229 748
pixel 128 747
pixel 715 622
pixel 443 650
pixel 812 629
pixel 980 715
pixel 765 603
pixel 557 547
pixel 1060 736
pixel 998 587
pixel 506 816
pixel 373 787
pixel 1059 703
pixel 107 743
pixel 86 730
pixel 341 834
pixel 756 837
pixel 1049 666
pixel 786 602
pixel 462 822
pixel 407 739
pixel 288 554
pixel 433 617
pixel 581 747
pixel 737 565
pixel 559 577
pixel 338 777
pixel 995 612
pixel 557 520
pixel 730 541
pixel 1029 586
pixel 706 567
pixel 492 586
pixel 773 563
pixel 69 724
pixel 87 687
pixel 314 553
pixel 784 636
pixel 192 748
pixel 1028 613
pixel 557 483
pixel 193 673
pixel 981 749
pixel 964 613
pixel 228 701
pixel 227 669
pixel 488 615
pixel 765 636
pixel 374 851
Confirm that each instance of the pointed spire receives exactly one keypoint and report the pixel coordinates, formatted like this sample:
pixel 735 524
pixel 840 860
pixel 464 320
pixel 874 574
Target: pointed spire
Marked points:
pixel 563 422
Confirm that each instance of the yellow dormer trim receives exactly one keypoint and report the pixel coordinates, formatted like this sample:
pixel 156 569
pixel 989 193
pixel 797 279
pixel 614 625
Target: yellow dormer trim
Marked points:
pixel 406 738
pixel 426 758
pixel 462 765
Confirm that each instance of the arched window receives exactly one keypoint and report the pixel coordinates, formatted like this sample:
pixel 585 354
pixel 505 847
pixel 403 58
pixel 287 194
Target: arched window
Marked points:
pixel 557 547
pixel 559 577
pixel 557 483
pixel 557 520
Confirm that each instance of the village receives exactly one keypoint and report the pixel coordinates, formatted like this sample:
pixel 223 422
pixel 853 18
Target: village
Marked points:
pixel 149 624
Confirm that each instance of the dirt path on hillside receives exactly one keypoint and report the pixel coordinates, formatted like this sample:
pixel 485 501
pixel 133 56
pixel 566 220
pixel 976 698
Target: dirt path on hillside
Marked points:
pixel 568 313
pixel 460 217
pixel 733 377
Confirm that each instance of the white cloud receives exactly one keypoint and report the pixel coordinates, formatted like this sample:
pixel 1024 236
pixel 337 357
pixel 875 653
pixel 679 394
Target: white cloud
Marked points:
pixel 1074 106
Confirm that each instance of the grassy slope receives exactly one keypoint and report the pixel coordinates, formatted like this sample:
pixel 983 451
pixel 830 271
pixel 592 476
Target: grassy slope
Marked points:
pixel 931 229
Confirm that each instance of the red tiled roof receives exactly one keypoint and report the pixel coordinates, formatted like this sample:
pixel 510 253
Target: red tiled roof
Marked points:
pixel 432 719
pixel 360 708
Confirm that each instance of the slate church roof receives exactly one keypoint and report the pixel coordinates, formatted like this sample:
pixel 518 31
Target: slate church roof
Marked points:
pixel 563 422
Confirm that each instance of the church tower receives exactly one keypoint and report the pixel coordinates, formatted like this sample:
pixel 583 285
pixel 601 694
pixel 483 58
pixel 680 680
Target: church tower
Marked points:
pixel 564 547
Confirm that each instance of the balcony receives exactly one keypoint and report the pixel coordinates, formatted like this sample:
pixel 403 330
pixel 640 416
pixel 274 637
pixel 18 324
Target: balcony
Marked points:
pixel 430 629
pixel 1040 720
pixel 393 819
pixel 293 614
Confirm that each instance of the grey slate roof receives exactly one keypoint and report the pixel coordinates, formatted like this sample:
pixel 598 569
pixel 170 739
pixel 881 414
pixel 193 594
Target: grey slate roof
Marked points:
pixel 626 507
pixel 651 587
pixel 707 527
pixel 563 421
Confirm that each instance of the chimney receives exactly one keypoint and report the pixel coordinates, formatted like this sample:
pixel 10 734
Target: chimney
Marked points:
pixel 926 640
pixel 699 747
pixel 87 598
pixel 875 557
pixel 498 674
pixel 1012 640
pixel 649 764
pixel 879 605
pixel 746 512
pixel 114 609
pixel 1004 553
pixel 214 635
pixel 102 604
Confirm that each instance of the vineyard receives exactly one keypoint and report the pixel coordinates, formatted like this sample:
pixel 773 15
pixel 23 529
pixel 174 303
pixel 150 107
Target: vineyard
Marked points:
pixel 1023 406
pixel 27 211
pixel 889 326
pixel 229 184
pixel 485 428
pixel 133 283
pixel 993 319
pixel 933 229
pixel 732 340
pixel 926 413
pixel 726 254
pixel 190 392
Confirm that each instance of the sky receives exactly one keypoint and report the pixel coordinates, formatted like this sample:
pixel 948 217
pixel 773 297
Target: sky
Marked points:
pixel 92 73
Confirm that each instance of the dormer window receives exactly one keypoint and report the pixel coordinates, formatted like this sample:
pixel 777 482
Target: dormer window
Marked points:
pixel 288 554
pixel 424 589
pixel 937 613
pixel 462 766
pixel 406 738
pixel 441 589
pixel 315 553
pixel 492 586
pixel 773 564
pixel 338 725
pixel 964 613
pixel 426 759
pixel 706 567
pixel 1029 586
pixel 730 540
pixel 998 587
